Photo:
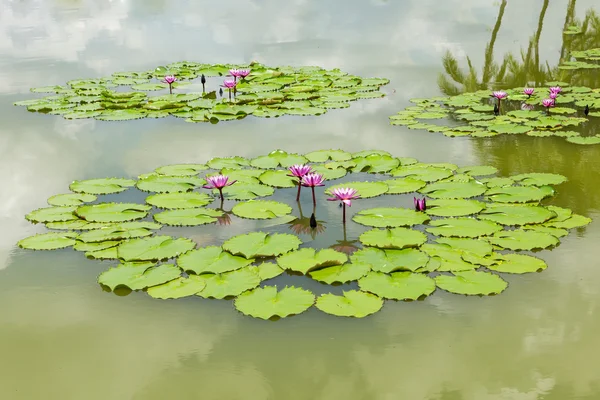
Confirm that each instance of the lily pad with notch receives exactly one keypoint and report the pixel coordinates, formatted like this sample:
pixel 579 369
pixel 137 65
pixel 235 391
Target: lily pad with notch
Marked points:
pixel 352 303
pixel 266 302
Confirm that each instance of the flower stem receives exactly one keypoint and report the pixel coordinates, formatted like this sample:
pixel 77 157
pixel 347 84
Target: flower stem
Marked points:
pixel 229 94
pixel 170 88
pixel 299 187
pixel 222 199
pixel 344 213
pixel 314 198
pixel 499 106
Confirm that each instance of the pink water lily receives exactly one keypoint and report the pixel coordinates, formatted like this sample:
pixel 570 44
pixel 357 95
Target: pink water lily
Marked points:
pixel 499 94
pixel 420 204
pixel 555 89
pixel 345 195
pixel 229 84
pixel 235 73
pixel 553 95
pixel 548 103
pixel 170 79
pixel 244 72
pixel 298 171
pixel 528 91
pixel 218 182
pixel 313 180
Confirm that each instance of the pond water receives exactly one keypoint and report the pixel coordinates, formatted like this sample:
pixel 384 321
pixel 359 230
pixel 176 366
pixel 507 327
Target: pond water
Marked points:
pixel 63 337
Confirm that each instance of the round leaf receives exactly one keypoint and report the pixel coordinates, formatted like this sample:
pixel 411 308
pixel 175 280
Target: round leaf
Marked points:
pixel 179 200
pixel 102 186
pixel 352 303
pixel 71 199
pixel 340 273
pixel 523 240
pixel 178 288
pixel 211 259
pixel 364 189
pixel 231 283
pixel 305 260
pixel 518 264
pixel 463 227
pixel 261 209
pixel 390 217
pixel 260 244
pixel 113 212
pixel 48 241
pixel 138 276
pixel 154 248
pixel 454 207
pixel 188 216
pixel 396 238
pixel 471 283
pixel 398 285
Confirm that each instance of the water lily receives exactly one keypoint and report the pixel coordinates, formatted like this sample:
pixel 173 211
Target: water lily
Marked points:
pixel 553 95
pixel 345 195
pixel 229 84
pixel 555 89
pixel 244 72
pixel 499 95
pixel 218 182
pixel 238 73
pixel 170 79
pixel 548 103
pixel 313 180
pixel 298 171
pixel 528 91
pixel 420 204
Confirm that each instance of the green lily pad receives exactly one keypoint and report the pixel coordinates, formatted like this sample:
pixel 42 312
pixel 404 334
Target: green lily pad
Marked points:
pixel 422 172
pixel 375 163
pixel 398 285
pixel 137 276
pixel 364 189
pixel 126 230
pixel 519 194
pixel 523 240
pixel 178 288
pixel 211 259
pixel 326 155
pixel 261 209
pixel 243 175
pixel 384 217
pixel 479 170
pixel 476 246
pixel 233 283
pixel 75 224
pixel 181 169
pixel 509 128
pixel 352 303
pixel 261 244
pixel 539 179
pixel 121 115
pixel 188 216
pixel 52 214
pixel 471 283
pixel 404 185
pixel 178 200
pixel 390 260
pixel 516 214
pixel 395 238
pixel 305 260
pixel 246 191
pixel 48 241
pixel 228 162
pixel 266 302
pixel 453 207
pixel 463 227
pixel 168 183
pixel 278 158
pixel 575 221
pixel 448 258
pixel 269 270
pixel 497 182
pixel 453 190
pixel 584 140
pixel 340 273
pixel 102 186
pixel 329 173
pixel 70 199
pixel 518 264
pixel 95 246
pixel 154 248
pixel 113 212
pixel 278 178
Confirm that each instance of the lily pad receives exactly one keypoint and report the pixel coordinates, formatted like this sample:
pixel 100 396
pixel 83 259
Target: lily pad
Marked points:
pixel 341 273
pixel 395 238
pixel 49 241
pixel 575 221
pixel 95 246
pixel 178 288
pixel 448 258
pixel 137 276
pixel 306 260
pixel 471 283
pixel 52 214
pixel 246 191
pixel 70 199
pixel 278 158
pixel 523 240
pixel 168 184
pixel 326 155
pixel 519 194
pixel 404 185
pixel 453 207
pixel 389 217
pixel 181 169
pixel 178 200
pixel 102 186
pixel 154 248
pixel 375 163
pixel 479 247
pixel 188 216
pixel 278 178
pixel 352 303
pixel 390 260
pixel 261 244
pixel 479 170
pixel 422 172
pixel 126 230
pixel 261 209
pixel 584 140
pixel 398 285
pixel 516 214
pixel 539 179
pixel 454 190
pixel 112 212
pixel 364 189
pixel 233 283
pixel 211 259
pixel 463 227
pixel 266 302
pixel 518 264
pixel 269 270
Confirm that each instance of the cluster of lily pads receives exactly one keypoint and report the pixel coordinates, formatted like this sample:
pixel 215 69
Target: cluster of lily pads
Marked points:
pixel 261 91
pixel 591 57
pixel 467 233
pixel 538 112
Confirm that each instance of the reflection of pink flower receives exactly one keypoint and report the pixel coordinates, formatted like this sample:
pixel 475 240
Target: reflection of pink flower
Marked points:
pixel 527 107
pixel 225 219
pixel 555 89
pixel 548 103
pixel 528 91
pixel 553 95
pixel 499 94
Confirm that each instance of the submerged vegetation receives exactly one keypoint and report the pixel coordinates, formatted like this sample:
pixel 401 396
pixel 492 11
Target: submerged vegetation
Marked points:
pixel 465 230
pixel 256 90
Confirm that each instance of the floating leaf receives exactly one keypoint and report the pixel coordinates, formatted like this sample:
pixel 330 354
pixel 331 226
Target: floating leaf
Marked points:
pixel 279 178
pixel 448 258
pixel 584 140
pixel 471 283
pixel 454 190
pixel 462 227
pixel 95 246
pixel 228 162
pixel 112 212
pixel 266 302
pixel 126 230
pixel 479 170
pixel 422 172
pixel 138 276
pixel 352 303
pixel 70 199
pixel 247 191
pixel 102 186
pixel 519 194
pixel 188 216
pixel 516 214
pixel 390 260
pixel 305 260
pixel 278 158
pixel 260 244
pixel 383 217
pixel 268 270
pixel 178 200
pixel 398 285
pixel 167 184
pixel 375 163
pixel 518 264
pixel 475 246
pixel 575 221
pixel 178 288
pixel 261 209
pixel 231 283
pixel 154 248
pixel 523 240
pixel 364 189
pixel 181 169
pixel 48 241
pixel 453 208
pixel 396 238
pixel 340 273
pixel 539 179
pixel 211 259
pixel 404 185
pixel 52 214
pixel 326 155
